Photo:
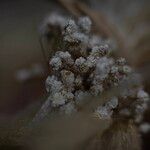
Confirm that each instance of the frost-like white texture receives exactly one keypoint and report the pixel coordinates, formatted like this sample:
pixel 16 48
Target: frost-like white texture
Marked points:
pixel 91 62
pixel 103 67
pixel 71 27
pixel 85 68
pixel 63 55
pixel 75 37
pixel 121 61
pixel 96 89
pixel 79 37
pixel 112 103
pixel 55 19
pixel 56 63
pixel 106 110
pixel 81 65
pixel 73 34
pixel 85 24
pixel 58 99
pixel 78 81
pixel 126 69
pixel 95 41
pixel 114 69
pixel 142 95
pixel 67 78
pixel 98 51
pixel 53 85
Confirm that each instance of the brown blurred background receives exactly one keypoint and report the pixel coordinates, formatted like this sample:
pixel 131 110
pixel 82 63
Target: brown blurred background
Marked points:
pixel 19 48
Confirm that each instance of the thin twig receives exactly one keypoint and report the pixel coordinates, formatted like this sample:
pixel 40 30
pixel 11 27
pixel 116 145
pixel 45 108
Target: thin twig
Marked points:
pixel 43 51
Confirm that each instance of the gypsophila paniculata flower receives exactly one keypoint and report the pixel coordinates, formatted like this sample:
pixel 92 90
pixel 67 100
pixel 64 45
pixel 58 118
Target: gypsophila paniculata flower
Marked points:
pixel 86 68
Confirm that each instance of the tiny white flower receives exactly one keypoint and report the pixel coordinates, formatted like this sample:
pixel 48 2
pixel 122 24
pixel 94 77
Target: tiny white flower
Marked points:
pixel 95 41
pixel 85 24
pixel 103 67
pixel 96 89
pixel 104 112
pixel 71 27
pixel 53 85
pixel 114 69
pixel 113 103
pixel 56 63
pixel 78 81
pixel 91 61
pixel 121 61
pixel 80 37
pixel 67 77
pixel 126 69
pixel 55 19
pixel 142 95
pixel 63 55
pixel 81 65
pixel 58 99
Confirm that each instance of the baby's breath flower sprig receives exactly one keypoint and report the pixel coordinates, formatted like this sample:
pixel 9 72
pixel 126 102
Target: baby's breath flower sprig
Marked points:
pixel 85 68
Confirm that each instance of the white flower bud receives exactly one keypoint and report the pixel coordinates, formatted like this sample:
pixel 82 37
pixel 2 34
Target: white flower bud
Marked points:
pixel 53 85
pixel 58 99
pixel 81 65
pixel 71 27
pixel 126 69
pixel 103 112
pixel 56 20
pixel 112 103
pixel 103 67
pixel 143 95
pixel 63 55
pixel 85 24
pixel 114 69
pixel 91 61
pixel 96 89
pixel 95 41
pixel 121 61
pixel 78 81
pixel 67 77
pixel 56 63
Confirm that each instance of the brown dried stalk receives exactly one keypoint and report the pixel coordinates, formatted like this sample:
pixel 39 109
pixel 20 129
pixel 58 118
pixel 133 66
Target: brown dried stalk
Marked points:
pixel 121 135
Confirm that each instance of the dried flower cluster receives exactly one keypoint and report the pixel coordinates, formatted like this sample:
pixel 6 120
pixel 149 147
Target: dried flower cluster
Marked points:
pixel 85 67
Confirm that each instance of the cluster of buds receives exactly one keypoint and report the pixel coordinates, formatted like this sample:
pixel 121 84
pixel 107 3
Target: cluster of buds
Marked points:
pixel 86 68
